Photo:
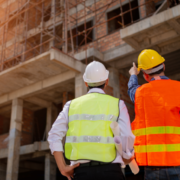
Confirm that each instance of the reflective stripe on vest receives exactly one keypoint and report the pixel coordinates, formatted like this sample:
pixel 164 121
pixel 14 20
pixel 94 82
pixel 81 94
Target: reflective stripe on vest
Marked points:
pixel 104 117
pixel 157 123
pixel 158 148
pixel 89 135
pixel 97 139
pixel 157 130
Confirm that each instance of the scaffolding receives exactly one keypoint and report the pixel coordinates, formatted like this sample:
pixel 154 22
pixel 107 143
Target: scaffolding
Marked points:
pixel 29 28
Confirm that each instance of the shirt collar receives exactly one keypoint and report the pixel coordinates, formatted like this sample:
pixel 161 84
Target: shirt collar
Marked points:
pixel 162 77
pixel 96 90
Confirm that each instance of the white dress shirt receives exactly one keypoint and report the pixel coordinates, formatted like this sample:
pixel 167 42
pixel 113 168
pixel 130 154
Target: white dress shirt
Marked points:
pixel 60 127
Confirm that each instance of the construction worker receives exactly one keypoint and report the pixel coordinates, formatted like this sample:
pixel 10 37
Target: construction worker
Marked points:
pixel 157 121
pixel 85 121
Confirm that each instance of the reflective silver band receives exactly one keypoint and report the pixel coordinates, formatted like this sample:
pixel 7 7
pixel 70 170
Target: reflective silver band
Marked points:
pixel 104 117
pixel 97 139
pixel 153 70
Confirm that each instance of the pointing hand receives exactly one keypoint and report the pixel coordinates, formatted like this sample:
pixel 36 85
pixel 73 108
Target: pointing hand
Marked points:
pixel 134 70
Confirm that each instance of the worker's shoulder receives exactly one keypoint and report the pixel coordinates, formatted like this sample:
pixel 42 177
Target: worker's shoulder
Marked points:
pixel 174 81
pixel 94 95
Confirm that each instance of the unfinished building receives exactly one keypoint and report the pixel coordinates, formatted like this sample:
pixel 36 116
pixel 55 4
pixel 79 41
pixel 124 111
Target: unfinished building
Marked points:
pixel 44 48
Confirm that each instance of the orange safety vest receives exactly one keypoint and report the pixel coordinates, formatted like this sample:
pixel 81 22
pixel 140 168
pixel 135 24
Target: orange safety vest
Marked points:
pixel 157 123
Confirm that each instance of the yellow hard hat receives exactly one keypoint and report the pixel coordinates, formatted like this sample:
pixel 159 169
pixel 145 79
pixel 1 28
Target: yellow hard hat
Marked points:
pixel 148 59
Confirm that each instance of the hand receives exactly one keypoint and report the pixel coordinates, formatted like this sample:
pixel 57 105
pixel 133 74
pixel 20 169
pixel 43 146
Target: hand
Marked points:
pixel 68 171
pixel 134 70
pixel 127 161
pixel 65 170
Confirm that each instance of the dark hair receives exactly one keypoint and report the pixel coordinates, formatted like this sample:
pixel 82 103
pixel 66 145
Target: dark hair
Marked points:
pixel 157 72
pixel 101 86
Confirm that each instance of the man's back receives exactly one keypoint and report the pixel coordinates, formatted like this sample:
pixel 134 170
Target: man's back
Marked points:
pixel 157 123
pixel 89 136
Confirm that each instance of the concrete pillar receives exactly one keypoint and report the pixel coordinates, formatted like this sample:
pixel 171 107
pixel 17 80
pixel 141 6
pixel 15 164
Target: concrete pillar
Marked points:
pixel 114 81
pixel 50 168
pixel 2 171
pixel 14 140
pixel 80 88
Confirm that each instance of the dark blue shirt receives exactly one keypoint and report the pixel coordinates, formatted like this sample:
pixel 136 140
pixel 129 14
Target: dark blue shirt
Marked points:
pixel 133 85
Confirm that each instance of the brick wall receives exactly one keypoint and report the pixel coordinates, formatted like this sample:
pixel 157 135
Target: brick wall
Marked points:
pixel 27 127
pixel 1 124
pixel 3 144
pixel 67 96
pixel 109 90
pixel 107 41
pixel 4 124
pixel 124 95
pixel 4 129
pixel 2 135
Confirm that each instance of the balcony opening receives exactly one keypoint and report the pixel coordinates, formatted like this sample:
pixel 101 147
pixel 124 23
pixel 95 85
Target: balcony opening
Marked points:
pixel 39 125
pixel 117 23
pixel 80 39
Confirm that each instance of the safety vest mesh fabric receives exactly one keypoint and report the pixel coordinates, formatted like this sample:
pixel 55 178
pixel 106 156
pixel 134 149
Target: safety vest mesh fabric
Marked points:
pixel 89 135
pixel 157 123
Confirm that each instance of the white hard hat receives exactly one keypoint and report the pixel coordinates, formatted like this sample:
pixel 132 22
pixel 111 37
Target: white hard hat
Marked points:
pixel 95 73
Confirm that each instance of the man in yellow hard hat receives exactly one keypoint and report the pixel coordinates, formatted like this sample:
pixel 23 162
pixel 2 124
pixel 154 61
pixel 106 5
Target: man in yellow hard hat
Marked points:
pixel 157 121
pixel 85 121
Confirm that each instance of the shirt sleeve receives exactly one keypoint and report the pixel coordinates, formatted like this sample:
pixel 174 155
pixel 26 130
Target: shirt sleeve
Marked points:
pixel 126 135
pixel 58 130
pixel 132 87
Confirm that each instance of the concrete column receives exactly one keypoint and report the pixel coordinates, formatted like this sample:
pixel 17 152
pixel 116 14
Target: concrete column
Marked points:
pixel 2 171
pixel 114 81
pixel 14 140
pixel 50 168
pixel 80 88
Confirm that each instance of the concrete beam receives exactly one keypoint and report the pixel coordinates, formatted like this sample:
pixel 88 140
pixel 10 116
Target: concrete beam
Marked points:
pixel 66 60
pixel 91 52
pixel 50 168
pixel 163 50
pixel 27 149
pixel 38 101
pixel 118 52
pixel 150 22
pixel 126 61
pixel 156 29
pixel 37 87
pixel 175 25
pixel 168 48
pixel 14 140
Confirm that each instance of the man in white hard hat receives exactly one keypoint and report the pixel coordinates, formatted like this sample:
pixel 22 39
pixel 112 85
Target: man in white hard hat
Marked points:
pixel 85 121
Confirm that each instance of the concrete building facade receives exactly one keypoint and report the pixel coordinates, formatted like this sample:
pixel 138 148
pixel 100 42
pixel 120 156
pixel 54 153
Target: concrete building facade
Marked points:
pixel 45 46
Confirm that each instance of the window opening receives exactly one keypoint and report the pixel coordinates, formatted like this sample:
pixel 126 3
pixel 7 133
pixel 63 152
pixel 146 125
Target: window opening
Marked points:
pixel 80 39
pixel 116 23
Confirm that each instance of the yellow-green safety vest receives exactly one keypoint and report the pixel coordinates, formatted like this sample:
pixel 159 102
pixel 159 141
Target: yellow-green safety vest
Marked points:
pixel 89 136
